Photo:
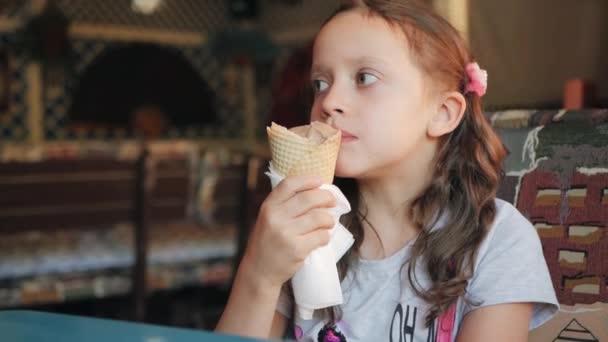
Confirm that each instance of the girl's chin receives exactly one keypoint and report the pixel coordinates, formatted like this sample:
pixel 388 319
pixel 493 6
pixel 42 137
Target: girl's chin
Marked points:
pixel 344 171
pixel 350 165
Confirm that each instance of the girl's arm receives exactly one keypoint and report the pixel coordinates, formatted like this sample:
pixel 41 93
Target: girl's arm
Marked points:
pixel 279 325
pixel 497 323
pixel 250 310
pixel 292 222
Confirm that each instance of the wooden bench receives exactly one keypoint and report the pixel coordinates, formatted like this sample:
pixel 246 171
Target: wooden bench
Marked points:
pixel 96 192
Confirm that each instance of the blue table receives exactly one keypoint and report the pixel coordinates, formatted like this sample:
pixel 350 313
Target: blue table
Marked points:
pixel 30 326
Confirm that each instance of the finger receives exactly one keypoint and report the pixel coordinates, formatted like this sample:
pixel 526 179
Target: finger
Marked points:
pixel 291 185
pixel 313 220
pixel 304 201
pixel 313 240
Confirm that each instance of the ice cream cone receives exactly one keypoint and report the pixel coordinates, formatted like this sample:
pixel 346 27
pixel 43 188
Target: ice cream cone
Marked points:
pixel 305 150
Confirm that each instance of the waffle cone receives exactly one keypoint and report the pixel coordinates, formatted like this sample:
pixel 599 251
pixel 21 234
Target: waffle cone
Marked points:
pixel 296 155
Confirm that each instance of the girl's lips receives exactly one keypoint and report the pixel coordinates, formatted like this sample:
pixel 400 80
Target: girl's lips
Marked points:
pixel 347 137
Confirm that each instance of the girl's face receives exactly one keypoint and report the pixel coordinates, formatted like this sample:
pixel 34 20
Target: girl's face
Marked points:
pixel 368 86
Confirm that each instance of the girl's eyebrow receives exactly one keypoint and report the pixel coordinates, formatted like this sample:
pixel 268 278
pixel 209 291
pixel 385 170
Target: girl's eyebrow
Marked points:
pixel 319 69
pixel 357 61
pixel 365 60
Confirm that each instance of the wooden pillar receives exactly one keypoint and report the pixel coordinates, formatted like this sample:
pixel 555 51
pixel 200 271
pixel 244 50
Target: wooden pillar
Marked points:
pixel 456 12
pixel 250 104
pixel 35 103
pixel 144 186
pixel 35 93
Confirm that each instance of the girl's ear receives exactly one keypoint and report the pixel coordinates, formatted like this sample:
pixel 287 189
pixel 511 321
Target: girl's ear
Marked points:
pixel 450 111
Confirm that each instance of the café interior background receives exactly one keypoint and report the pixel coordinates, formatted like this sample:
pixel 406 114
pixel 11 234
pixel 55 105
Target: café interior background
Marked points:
pixel 198 81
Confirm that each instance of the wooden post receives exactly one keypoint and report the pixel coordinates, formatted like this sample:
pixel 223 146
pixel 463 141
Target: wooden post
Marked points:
pixel 144 185
pixel 35 102
pixel 247 186
pixel 250 104
pixel 456 12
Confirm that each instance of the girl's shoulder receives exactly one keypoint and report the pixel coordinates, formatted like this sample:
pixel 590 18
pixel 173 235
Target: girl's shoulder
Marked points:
pixel 510 228
pixel 510 267
pixel 509 219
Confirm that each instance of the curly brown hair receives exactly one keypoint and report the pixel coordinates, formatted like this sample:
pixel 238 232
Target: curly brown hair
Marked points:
pixel 468 164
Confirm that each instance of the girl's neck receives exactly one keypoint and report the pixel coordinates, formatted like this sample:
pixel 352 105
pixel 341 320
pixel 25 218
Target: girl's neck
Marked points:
pixel 387 226
pixel 386 203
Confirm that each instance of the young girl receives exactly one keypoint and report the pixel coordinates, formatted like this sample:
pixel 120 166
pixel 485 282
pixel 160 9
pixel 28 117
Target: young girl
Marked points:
pixel 436 257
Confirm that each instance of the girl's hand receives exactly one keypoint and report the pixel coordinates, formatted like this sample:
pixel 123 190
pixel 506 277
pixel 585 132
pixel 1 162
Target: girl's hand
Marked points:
pixel 292 222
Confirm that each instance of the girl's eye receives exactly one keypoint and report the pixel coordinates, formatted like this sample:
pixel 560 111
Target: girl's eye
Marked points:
pixel 366 78
pixel 319 85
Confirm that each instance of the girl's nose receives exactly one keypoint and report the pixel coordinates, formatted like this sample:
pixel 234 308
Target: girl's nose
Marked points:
pixel 333 103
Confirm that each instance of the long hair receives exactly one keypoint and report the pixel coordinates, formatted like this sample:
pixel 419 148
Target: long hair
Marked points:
pixel 468 165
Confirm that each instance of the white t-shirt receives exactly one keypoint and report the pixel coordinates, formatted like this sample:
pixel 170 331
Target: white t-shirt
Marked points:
pixel 379 304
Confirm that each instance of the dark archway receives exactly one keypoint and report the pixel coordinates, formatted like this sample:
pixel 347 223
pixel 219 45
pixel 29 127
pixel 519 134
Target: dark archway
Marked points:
pixel 126 81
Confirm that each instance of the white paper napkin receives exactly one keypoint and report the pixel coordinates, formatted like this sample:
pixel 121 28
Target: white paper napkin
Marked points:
pixel 316 284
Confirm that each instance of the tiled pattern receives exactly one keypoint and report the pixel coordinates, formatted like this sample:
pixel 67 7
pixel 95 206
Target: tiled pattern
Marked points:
pixel 304 14
pixel 179 15
pixel 13 123
pixel 86 50
pixel 206 16
pixel 11 9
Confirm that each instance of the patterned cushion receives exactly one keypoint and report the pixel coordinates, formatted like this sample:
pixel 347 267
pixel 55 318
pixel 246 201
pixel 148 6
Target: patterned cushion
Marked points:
pixel 557 176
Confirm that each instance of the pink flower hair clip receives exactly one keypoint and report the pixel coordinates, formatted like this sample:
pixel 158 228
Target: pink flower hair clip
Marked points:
pixel 478 79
